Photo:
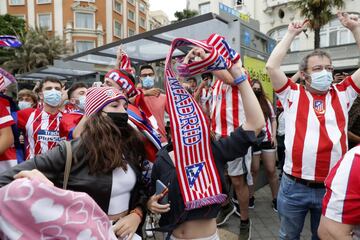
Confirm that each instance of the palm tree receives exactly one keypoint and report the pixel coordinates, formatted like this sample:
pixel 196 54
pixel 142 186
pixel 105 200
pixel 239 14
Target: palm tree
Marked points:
pixel 318 12
pixel 38 50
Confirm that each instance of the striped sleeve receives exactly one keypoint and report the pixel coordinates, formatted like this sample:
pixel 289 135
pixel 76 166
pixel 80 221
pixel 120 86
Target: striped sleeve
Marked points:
pixel 6 119
pixel 341 202
pixel 349 87
pixel 273 115
pixel 284 93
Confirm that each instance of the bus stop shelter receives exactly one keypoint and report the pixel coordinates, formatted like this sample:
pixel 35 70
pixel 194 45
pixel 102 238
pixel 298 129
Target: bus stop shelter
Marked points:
pixel 153 46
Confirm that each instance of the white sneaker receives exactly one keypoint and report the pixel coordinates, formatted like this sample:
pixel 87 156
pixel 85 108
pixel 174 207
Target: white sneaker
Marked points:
pixel 149 225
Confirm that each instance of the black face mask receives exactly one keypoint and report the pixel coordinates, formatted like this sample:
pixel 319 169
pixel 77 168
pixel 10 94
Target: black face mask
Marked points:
pixel 257 92
pixel 120 119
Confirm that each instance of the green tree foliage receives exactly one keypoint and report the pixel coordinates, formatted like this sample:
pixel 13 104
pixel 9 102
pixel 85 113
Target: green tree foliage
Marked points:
pixel 184 14
pixel 39 49
pixel 318 12
pixel 10 25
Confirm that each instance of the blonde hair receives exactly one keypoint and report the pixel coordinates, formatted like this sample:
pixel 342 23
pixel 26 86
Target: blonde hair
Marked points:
pixel 27 92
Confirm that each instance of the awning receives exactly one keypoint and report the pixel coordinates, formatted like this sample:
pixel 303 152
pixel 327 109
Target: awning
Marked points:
pixel 55 72
pixel 154 45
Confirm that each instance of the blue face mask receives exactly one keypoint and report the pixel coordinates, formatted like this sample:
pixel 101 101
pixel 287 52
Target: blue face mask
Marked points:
pixel 148 82
pixel 321 81
pixel 52 97
pixel 24 105
pixel 81 103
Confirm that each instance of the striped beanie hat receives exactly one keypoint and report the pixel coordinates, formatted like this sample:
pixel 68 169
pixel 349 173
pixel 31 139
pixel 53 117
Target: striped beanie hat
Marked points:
pixel 98 97
pixel 123 81
pixel 6 79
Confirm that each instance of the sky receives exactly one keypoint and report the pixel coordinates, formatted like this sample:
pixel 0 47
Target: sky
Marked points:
pixel 168 6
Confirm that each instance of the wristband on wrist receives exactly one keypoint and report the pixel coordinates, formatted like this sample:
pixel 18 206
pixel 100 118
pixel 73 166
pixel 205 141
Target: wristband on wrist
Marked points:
pixel 137 212
pixel 240 79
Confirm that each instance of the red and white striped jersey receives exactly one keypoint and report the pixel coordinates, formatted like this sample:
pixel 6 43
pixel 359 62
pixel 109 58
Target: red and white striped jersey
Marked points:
pixel 226 110
pixel 341 202
pixel 8 158
pixel 315 128
pixel 268 127
pixel 41 130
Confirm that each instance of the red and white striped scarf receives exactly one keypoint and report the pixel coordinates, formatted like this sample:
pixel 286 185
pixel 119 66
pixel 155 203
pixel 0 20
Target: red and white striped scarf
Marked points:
pixel 198 178
pixel 125 63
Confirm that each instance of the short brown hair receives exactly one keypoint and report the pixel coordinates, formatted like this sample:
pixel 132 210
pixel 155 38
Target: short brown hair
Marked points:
pixel 27 92
pixel 49 79
pixel 317 52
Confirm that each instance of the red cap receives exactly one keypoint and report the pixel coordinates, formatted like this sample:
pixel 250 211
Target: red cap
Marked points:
pixel 123 81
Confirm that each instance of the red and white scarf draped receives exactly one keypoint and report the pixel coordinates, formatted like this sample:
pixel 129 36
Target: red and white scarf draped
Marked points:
pixel 125 64
pixel 197 175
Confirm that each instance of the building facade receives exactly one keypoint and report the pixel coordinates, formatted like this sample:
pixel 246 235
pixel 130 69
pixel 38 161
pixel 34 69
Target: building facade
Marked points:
pixel 84 23
pixel 275 15
pixel 158 19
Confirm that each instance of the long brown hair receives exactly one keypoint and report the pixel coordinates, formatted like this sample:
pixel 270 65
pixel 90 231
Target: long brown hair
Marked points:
pixel 263 100
pixel 105 146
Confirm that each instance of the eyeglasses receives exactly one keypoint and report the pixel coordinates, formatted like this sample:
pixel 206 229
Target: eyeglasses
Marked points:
pixel 319 68
pixel 147 75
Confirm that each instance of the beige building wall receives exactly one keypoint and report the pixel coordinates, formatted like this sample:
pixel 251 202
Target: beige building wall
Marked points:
pixel 272 15
pixel 63 20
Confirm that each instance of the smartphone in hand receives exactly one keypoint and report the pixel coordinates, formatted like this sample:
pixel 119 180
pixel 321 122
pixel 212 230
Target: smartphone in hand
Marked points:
pixel 161 188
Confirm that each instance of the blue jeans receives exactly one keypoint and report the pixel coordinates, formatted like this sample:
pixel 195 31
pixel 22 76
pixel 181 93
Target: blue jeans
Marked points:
pixel 293 202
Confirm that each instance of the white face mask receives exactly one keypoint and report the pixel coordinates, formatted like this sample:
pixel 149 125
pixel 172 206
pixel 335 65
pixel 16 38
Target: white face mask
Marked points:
pixel 321 81
pixel 52 97
pixel 24 105
pixel 81 103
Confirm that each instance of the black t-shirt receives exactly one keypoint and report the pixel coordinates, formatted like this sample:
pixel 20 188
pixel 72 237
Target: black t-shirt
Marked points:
pixel 224 150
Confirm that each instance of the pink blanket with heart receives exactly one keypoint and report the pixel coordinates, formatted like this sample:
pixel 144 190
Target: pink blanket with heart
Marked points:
pixel 30 209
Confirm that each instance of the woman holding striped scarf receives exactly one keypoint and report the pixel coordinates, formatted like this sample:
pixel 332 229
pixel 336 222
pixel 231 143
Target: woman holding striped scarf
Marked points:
pixel 195 181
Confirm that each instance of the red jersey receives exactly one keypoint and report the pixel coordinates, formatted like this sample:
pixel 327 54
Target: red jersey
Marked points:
pixel 315 128
pixel 268 126
pixel 8 158
pixel 226 112
pixel 341 202
pixel 68 123
pixel 41 130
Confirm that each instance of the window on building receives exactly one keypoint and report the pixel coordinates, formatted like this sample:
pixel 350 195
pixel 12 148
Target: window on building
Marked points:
pixel 45 21
pixel 82 46
pixel 117 29
pixel 142 7
pixel 131 32
pixel 142 22
pixel 84 20
pixel 131 1
pixel 131 15
pixel 334 33
pixel 279 33
pixel 16 2
pixel 43 1
pixel 118 6
pixel 204 8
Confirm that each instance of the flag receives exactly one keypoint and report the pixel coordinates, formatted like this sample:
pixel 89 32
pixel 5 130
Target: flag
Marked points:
pixel 9 41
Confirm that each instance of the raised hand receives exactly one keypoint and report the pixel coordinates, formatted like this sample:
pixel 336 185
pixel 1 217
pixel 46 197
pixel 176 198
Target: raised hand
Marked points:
pixel 296 28
pixel 350 21
pixel 195 54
